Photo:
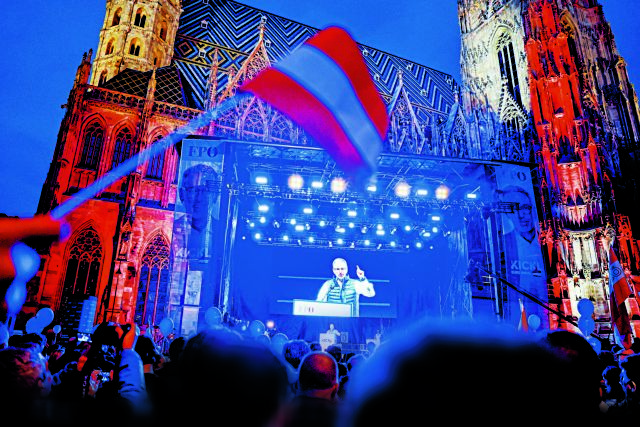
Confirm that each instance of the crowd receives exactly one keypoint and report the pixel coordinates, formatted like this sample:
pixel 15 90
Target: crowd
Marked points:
pixel 463 371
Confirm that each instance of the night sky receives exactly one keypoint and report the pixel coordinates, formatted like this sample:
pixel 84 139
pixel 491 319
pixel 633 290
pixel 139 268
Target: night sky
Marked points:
pixel 43 42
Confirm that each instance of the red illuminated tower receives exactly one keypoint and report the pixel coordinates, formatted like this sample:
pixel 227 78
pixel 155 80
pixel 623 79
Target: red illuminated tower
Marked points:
pixel 557 62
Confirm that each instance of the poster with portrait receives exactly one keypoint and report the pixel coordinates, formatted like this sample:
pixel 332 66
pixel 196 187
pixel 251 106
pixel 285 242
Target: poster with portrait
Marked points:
pixel 522 251
pixel 196 216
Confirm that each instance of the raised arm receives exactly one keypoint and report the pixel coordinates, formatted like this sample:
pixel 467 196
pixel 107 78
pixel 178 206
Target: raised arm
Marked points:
pixel 363 285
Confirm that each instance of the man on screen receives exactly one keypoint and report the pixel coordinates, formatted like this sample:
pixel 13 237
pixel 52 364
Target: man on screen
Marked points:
pixel 342 289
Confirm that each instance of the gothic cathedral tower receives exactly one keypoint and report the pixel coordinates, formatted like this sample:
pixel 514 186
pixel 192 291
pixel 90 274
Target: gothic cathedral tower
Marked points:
pixel 135 34
pixel 550 72
pixel 119 252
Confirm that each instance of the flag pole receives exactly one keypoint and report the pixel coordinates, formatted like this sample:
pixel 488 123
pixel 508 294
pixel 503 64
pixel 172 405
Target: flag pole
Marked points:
pixel 154 149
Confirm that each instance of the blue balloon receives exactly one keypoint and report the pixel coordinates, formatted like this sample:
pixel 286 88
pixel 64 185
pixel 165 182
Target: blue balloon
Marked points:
pixel 278 341
pixel 26 261
pixel 15 297
pixel 256 328
pixel 585 307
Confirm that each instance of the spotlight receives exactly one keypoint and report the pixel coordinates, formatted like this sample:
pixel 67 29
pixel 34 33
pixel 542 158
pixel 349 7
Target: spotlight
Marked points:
pixel 252 224
pixel 418 245
pixel 307 227
pixel 340 229
pixel 393 244
pixel 276 224
pixel 394 215
pixel 299 227
pixel 472 196
pixel 270 324
pixel 307 210
pixel 292 221
pixel 311 239
pixel 257 236
pixel 372 188
pixel 338 185
pixel 263 208
pixel 434 229
pixel 322 223
pixel 351 213
pixel 317 184
pixel 295 182
pixel 393 230
pixel 379 227
pixel 442 192
pixel 263 220
pixel 285 238
pixel 421 192
pixel 261 180
pixel 244 237
pixel 436 218
pixel 340 241
pixel 407 228
pixel 402 189
pixel 352 245
pixel 367 242
pixel 379 245
pixel 364 229
pixel 380 232
pixel 351 225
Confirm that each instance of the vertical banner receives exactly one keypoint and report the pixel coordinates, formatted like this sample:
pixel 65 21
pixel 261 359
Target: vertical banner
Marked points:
pixel 522 250
pixel 196 219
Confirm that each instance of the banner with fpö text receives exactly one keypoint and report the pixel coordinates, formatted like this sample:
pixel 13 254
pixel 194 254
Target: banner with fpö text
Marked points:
pixel 196 221
pixel 523 254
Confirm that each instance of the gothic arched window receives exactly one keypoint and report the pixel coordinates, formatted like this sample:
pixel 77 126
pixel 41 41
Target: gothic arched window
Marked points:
pixel 153 286
pixel 162 33
pixel 103 78
pixel 508 70
pixel 92 146
pixel 109 49
pixel 134 48
pixel 122 150
pixel 156 164
pixel 83 267
pixel 116 18
pixel 140 19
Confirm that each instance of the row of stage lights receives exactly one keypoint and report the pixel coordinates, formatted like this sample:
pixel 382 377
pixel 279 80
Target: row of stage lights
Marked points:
pixel 347 233
pixel 339 185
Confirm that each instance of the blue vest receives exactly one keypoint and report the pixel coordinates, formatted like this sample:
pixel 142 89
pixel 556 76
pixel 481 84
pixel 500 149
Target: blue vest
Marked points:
pixel 345 294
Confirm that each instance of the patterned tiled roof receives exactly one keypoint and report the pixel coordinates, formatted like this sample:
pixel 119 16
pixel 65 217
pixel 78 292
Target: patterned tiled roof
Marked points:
pixel 231 29
pixel 170 86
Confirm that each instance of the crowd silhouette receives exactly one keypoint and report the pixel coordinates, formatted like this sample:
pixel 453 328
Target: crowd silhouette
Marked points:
pixel 462 370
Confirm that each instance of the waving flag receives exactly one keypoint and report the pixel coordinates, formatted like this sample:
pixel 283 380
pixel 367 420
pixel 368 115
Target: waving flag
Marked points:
pixel 524 322
pixel 324 86
pixel 620 291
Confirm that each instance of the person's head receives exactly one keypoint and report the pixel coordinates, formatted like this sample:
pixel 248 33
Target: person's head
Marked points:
pixel 294 350
pixel 315 346
pixel 242 376
pixel 176 347
pixel 630 376
pixel 522 216
pixel 196 192
pixel 24 376
pixel 147 350
pixel 475 362
pixel 318 375
pixel 340 268
pixel 611 376
pixel 335 351
pixel 332 326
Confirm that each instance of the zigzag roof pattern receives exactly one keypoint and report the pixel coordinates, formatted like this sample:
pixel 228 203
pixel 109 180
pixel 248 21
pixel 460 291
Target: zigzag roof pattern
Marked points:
pixel 169 85
pixel 233 29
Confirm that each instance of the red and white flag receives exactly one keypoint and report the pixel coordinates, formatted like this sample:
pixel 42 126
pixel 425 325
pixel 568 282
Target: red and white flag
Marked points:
pixel 620 291
pixel 524 322
pixel 324 86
